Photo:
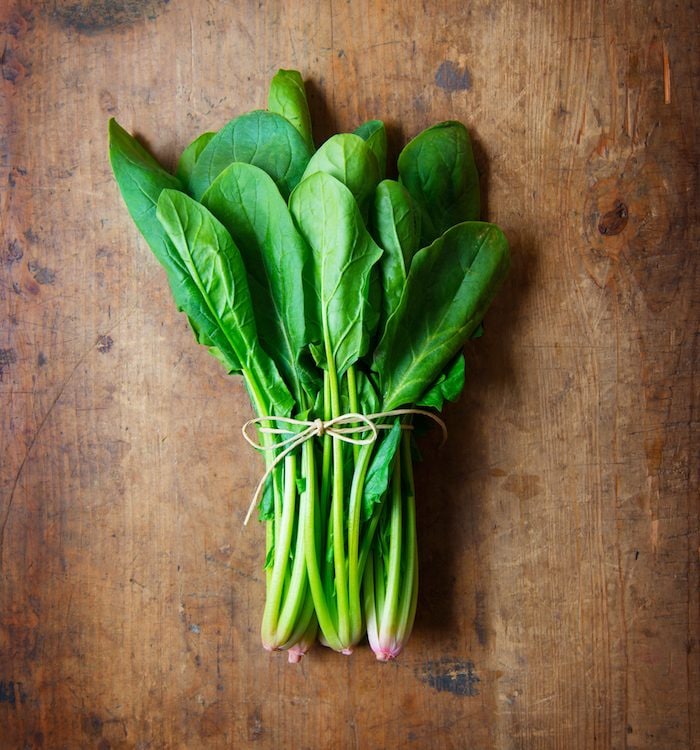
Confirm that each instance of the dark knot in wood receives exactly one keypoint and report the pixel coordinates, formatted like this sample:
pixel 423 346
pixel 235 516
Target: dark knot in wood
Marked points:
pixel 614 221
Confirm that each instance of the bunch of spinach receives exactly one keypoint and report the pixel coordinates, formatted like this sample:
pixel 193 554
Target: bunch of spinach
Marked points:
pixel 332 291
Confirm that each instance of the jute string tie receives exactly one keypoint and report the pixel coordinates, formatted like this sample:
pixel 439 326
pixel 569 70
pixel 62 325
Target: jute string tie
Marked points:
pixel 356 429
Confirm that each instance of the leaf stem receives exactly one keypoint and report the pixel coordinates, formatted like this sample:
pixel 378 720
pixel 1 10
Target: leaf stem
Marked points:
pixel 281 555
pixel 409 592
pixel 327 619
pixel 354 522
pixel 352 401
pixel 337 512
pixel 393 582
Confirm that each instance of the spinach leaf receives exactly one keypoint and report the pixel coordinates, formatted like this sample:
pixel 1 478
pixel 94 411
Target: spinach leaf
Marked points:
pixel 287 97
pixel 189 157
pixel 141 180
pixel 277 261
pixel 367 394
pixel 396 225
pixel 437 168
pixel 379 471
pixel 351 161
pixel 343 254
pixel 449 287
pixel 373 133
pixel 220 296
pixel 264 139
pixel 447 387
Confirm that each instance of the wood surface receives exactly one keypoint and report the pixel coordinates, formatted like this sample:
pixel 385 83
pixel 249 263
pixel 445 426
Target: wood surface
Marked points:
pixel 559 605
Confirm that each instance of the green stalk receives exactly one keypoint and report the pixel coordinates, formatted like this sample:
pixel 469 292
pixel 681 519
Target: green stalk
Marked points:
pixel 374 579
pixel 325 528
pixel 272 526
pixel 391 575
pixel 286 589
pixel 379 584
pixel 269 544
pixel 327 619
pixel 281 555
pixel 354 522
pixel 409 592
pixel 295 595
pixel 352 401
pixel 367 542
pixel 304 636
pixel 370 603
pixel 327 448
pixel 337 515
pixel 393 579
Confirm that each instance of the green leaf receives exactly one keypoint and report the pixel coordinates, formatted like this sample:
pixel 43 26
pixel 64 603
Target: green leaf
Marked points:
pixel 351 161
pixel 265 139
pixel 141 180
pixel 367 394
pixel 379 471
pixel 221 298
pixel 277 261
pixel 287 97
pixel 396 226
pixel 450 285
pixel 190 155
pixel 343 254
pixel 266 509
pixel 373 133
pixel 270 556
pixel 447 387
pixel 437 168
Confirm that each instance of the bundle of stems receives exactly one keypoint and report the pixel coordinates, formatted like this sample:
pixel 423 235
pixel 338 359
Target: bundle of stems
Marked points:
pixel 343 299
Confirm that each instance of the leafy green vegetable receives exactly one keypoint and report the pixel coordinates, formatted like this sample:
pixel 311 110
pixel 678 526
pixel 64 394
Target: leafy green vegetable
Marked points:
pixel 222 298
pixel 343 254
pixel 287 97
pixel 447 387
pixel 449 287
pixel 396 223
pixel 141 180
pixel 190 155
pixel 277 260
pixel 264 139
pixel 350 160
pixel 437 168
pixel 377 479
pixel 373 133
pixel 344 299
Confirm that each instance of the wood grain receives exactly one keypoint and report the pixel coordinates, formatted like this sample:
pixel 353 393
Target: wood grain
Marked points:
pixel 559 528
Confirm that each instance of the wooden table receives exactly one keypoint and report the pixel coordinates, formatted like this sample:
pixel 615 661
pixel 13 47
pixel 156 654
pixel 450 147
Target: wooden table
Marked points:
pixel 558 528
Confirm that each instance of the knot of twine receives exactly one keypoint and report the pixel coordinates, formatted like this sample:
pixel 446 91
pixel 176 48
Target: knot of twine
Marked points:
pixel 348 428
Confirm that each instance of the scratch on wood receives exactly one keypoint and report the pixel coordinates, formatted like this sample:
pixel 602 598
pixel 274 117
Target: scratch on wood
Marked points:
pixel 667 74
pixel 30 447
pixel 480 618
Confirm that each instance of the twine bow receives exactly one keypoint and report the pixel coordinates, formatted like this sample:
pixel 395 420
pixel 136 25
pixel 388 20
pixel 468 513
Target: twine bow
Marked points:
pixel 346 428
